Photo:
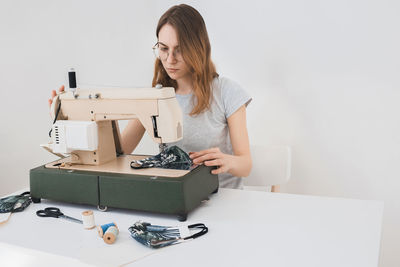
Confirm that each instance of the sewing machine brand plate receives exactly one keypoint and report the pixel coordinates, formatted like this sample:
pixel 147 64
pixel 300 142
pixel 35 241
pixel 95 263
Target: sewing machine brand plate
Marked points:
pixel 120 165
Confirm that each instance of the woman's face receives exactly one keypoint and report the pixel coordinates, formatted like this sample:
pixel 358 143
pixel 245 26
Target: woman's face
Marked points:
pixel 170 53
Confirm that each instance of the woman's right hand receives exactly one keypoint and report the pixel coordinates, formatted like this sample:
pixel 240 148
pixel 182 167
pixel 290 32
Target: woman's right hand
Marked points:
pixel 54 93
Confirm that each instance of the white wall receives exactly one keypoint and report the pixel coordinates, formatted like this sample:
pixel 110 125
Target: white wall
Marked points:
pixel 109 43
pixel 322 74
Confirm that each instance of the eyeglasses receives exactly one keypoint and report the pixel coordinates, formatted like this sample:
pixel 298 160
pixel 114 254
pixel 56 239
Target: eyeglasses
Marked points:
pixel 162 52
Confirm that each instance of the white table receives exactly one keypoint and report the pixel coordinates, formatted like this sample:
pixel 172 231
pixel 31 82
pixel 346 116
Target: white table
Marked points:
pixel 246 228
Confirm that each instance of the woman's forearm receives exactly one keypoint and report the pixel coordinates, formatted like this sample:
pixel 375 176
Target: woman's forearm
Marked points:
pixel 131 136
pixel 241 165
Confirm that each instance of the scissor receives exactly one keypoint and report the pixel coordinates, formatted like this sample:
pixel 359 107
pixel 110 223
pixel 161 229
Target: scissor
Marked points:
pixel 55 213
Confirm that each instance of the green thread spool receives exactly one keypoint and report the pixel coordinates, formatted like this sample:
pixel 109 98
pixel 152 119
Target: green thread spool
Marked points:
pixel 111 235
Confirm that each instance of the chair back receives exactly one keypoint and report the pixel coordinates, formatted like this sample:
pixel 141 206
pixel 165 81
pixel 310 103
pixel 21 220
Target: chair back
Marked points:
pixel 271 165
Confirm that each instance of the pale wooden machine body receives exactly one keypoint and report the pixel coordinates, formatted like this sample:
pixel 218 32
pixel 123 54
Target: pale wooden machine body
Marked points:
pixel 157 110
pixel 160 114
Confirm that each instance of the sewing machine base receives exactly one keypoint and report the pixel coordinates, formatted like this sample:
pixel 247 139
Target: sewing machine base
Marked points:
pixel 170 195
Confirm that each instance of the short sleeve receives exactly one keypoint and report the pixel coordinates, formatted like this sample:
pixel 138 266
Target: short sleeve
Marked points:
pixel 233 96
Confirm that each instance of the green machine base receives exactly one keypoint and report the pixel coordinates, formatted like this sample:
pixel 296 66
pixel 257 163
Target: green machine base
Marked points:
pixel 177 196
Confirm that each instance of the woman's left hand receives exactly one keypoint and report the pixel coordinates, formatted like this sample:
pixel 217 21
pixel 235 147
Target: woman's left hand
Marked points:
pixel 239 164
pixel 213 157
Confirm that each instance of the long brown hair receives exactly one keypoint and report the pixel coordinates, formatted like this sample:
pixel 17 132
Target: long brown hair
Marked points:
pixel 196 52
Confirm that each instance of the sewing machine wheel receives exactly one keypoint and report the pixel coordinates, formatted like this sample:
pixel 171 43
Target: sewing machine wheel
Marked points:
pixel 182 217
pixel 36 200
pixel 102 208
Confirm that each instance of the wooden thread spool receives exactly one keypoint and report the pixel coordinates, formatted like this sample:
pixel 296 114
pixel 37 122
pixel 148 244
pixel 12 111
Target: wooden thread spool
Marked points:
pixel 111 235
pixel 101 229
pixel 88 219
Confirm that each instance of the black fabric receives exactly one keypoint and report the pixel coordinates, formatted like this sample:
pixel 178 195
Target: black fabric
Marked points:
pixel 15 203
pixel 171 158
pixel 157 236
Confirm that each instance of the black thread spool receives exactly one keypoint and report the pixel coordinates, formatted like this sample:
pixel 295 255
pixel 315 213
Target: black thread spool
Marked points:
pixel 72 79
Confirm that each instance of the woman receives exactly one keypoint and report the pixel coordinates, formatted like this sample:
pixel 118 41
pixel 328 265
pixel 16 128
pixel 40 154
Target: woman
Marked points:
pixel 214 108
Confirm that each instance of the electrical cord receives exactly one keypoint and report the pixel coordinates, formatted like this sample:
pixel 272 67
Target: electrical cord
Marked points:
pixel 55 117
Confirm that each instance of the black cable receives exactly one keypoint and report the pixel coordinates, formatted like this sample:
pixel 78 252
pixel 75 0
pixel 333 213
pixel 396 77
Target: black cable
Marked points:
pixel 204 230
pixel 55 117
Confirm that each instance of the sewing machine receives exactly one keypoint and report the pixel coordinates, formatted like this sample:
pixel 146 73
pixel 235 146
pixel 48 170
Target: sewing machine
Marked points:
pixel 92 168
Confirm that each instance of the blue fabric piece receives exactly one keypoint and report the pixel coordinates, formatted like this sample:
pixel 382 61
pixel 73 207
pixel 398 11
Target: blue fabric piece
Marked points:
pixel 154 236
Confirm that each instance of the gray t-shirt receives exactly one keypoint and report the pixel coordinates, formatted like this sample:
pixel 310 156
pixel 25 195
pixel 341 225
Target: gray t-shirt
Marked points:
pixel 210 128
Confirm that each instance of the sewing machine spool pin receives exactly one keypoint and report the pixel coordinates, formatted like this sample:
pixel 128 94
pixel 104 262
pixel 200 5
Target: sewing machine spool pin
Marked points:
pixel 72 79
